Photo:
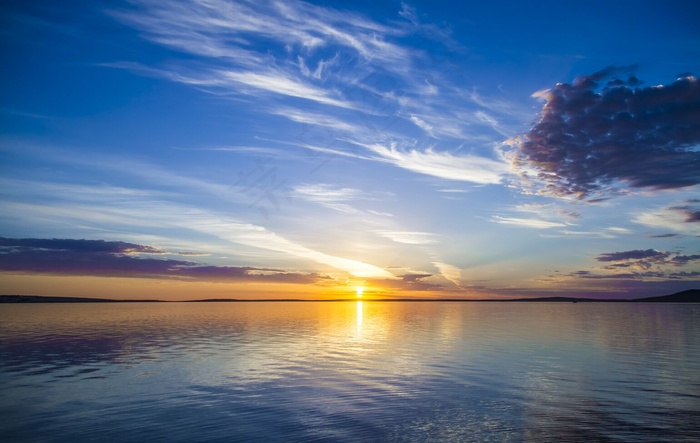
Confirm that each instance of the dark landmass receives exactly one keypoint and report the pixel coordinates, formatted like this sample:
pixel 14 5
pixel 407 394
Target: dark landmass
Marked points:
pixel 53 299
pixel 689 296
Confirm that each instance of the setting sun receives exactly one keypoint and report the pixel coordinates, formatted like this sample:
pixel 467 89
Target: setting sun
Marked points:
pixel 359 290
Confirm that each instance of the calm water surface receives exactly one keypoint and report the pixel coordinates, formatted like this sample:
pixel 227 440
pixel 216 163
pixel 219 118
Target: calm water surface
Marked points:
pixel 365 371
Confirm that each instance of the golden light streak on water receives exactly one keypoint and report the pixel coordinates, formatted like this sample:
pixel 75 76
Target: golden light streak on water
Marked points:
pixel 359 316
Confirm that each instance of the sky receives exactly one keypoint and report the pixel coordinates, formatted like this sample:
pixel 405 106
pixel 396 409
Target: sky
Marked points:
pixel 191 149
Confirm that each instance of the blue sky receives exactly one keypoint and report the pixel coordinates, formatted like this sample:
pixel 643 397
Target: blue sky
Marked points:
pixel 417 149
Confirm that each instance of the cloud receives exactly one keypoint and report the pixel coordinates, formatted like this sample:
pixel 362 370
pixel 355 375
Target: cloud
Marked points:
pixel 526 222
pixel 648 254
pixel 645 259
pixel 601 135
pixel 116 259
pixel 451 272
pixel 231 34
pixel 85 207
pixel 80 246
pixel 280 83
pixel 359 77
pixel 684 274
pixel 408 237
pixel 692 213
pixel 679 218
pixel 444 165
pixel 330 196
pixel 422 124
pixel 682 260
pixel 407 282
pixel 309 118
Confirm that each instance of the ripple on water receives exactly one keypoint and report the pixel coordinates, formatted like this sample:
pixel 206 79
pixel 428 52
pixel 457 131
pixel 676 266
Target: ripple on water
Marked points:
pixel 314 372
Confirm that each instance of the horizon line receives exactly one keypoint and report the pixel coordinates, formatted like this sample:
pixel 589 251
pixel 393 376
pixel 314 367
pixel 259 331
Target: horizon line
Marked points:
pixel 26 298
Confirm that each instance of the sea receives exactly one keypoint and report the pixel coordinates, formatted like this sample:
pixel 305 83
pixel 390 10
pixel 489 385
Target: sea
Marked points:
pixel 350 372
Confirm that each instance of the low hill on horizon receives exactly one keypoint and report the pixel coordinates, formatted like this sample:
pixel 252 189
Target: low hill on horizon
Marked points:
pixel 689 296
pixel 61 299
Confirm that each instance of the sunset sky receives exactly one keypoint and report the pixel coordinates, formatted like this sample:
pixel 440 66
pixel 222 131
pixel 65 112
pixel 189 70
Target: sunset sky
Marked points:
pixel 252 149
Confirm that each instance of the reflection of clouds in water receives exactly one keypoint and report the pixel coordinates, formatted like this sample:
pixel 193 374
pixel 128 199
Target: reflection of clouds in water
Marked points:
pixel 445 371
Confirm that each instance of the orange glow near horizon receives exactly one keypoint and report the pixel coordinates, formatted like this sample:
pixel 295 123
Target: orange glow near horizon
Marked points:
pixel 124 288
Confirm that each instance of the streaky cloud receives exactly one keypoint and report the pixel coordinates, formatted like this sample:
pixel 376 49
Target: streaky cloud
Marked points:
pixel 441 164
pixel 451 272
pixel 677 218
pixel 117 259
pixel 648 254
pixel 408 237
pixel 527 222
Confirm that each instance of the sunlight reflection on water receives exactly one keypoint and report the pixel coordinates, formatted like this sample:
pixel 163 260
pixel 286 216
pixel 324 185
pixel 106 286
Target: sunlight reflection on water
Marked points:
pixel 355 371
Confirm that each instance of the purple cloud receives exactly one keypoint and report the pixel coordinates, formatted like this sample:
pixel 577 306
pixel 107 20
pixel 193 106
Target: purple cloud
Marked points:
pixel 637 254
pixel 596 136
pixel 638 264
pixel 408 282
pixel 82 246
pixel 114 259
pixel 682 260
pixel 692 213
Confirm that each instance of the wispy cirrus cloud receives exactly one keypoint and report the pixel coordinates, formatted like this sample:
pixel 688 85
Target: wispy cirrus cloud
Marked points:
pixel 280 83
pixel 225 33
pixel 408 237
pixel 342 62
pixel 146 210
pixel 527 222
pixel 316 119
pixel 602 135
pixel 450 272
pixel 330 196
pixel 441 164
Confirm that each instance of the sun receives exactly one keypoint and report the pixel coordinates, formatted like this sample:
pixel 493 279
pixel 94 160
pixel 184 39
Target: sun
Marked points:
pixel 359 290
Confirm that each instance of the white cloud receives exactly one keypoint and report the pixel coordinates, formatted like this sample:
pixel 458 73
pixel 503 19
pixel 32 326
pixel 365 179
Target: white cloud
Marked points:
pixel 468 168
pixel 300 116
pixel 422 124
pixel 527 222
pixel 450 272
pixel 280 83
pixel 667 219
pixel 330 196
pixel 140 211
pixel 408 237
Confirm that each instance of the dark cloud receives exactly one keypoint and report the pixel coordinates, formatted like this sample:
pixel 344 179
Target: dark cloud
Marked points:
pixel 644 258
pixel 233 273
pixel 582 273
pixel 664 236
pixel 117 259
pixel 609 276
pixel 638 264
pixel 692 213
pixel 682 260
pixel 408 282
pixel 637 254
pixel 684 274
pixel 602 133
pixel 81 246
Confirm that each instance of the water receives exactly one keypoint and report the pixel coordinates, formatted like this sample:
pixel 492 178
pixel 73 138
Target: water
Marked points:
pixel 346 371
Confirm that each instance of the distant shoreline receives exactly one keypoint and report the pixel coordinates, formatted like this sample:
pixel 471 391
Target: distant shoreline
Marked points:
pixel 689 296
